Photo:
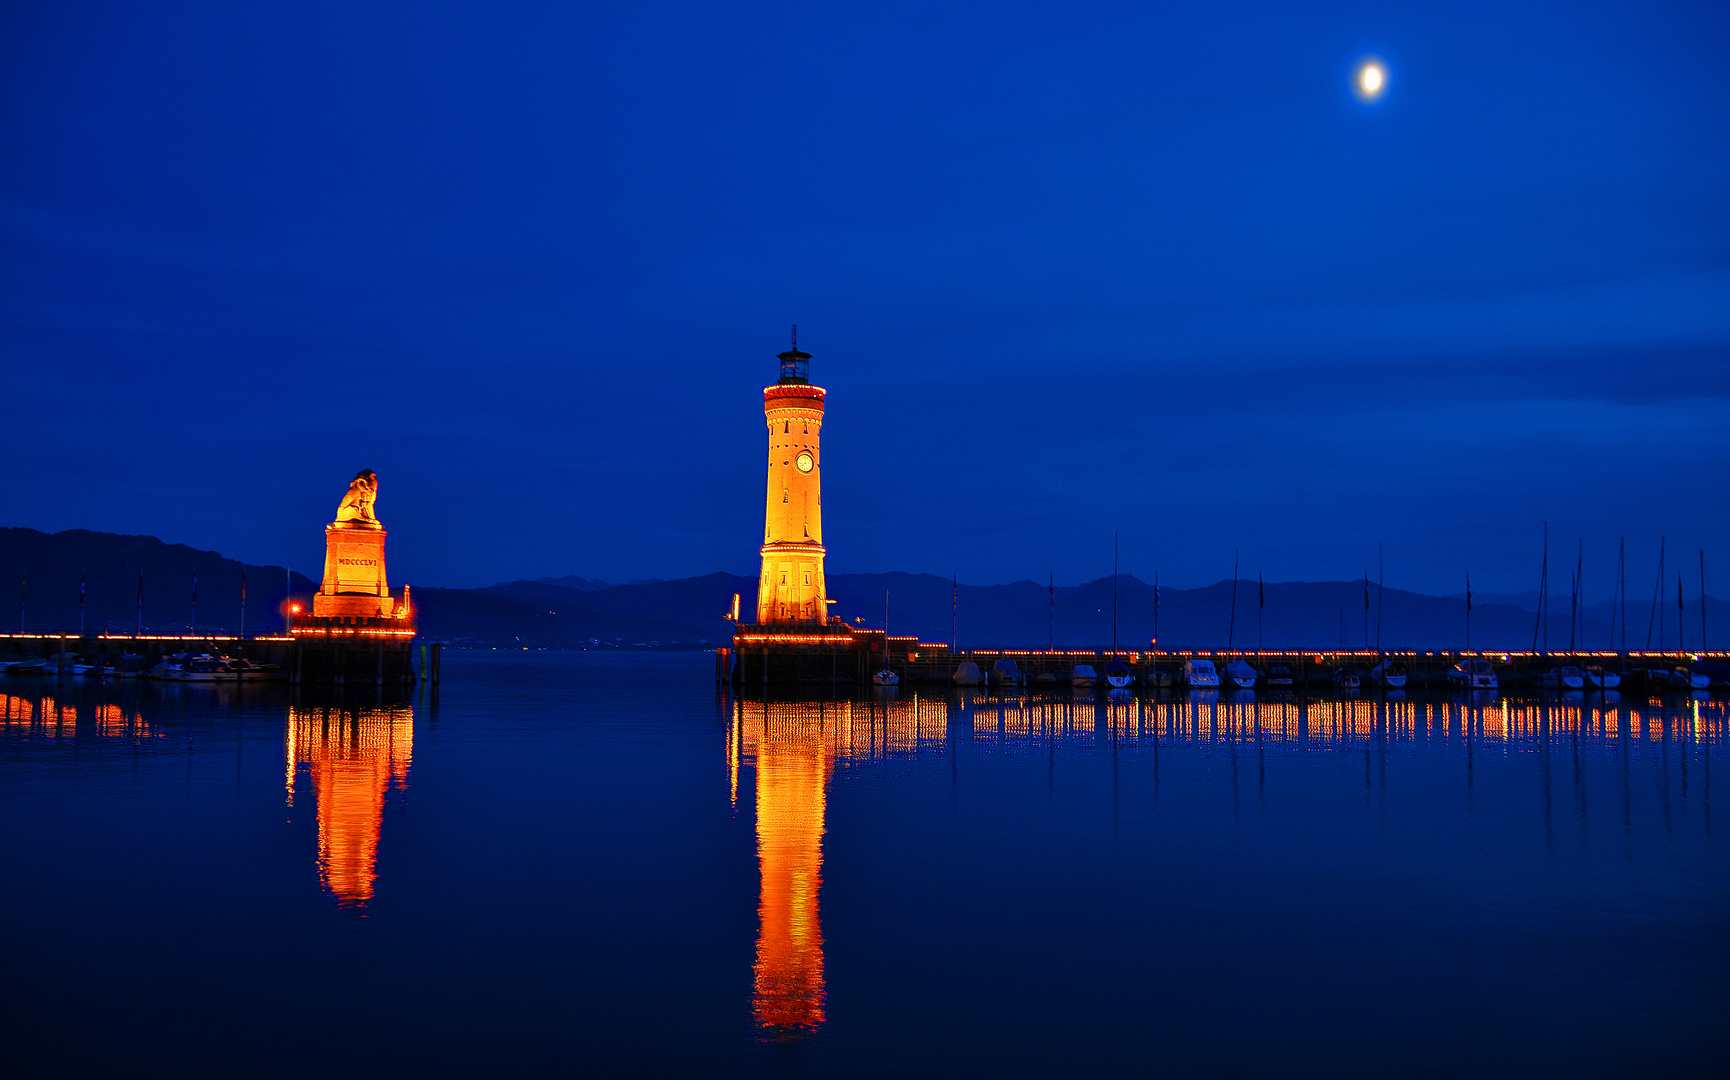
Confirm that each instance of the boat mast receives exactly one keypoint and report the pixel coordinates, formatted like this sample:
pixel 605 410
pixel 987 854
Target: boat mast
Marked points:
pixel 1622 591
pixel 1231 628
pixel 1114 595
pixel 1543 595
pixel 1702 599
pixel 1574 615
pixel 1366 610
pixel 1657 615
pixel 885 629
pixel 1681 624
pixel 1381 593
pixel 1468 611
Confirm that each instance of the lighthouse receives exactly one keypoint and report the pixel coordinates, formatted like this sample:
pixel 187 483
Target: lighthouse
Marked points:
pixel 790 590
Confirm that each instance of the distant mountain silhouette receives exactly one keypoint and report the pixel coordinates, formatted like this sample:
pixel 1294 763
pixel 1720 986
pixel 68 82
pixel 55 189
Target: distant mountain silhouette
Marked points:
pixel 48 566
pixel 688 612
pixel 574 582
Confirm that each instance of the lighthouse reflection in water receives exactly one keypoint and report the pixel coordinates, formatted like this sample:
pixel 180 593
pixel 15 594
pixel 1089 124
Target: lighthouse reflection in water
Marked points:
pixel 791 750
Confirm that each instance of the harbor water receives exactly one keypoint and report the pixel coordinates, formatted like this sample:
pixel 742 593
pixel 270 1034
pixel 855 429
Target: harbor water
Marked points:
pixel 601 864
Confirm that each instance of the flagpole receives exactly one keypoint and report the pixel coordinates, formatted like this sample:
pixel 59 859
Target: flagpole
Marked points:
pixel 193 625
pixel 1468 611
pixel 140 630
pixel 81 601
pixel 243 601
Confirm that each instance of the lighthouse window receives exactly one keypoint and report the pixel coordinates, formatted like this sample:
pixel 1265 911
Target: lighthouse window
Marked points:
pixel 807 578
pixel 783 577
pixel 783 494
pixel 785 426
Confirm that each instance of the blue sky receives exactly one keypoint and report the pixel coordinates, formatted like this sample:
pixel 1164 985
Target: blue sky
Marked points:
pixel 1067 270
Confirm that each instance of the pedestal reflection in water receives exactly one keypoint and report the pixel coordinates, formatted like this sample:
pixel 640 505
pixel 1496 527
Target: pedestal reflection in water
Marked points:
pixel 353 757
pixel 973 883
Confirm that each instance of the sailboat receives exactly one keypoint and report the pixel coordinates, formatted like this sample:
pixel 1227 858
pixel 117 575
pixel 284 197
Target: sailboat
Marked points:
pixel 1117 673
pixel 885 676
pixel 1388 674
pixel 1241 673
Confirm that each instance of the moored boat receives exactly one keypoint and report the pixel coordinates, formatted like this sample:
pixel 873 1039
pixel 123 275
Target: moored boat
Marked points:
pixel 205 669
pixel 1347 678
pixel 1602 679
pixel 1473 675
pixel 1279 674
pixel 1083 675
pixel 1200 673
pixel 1117 673
pixel 1717 672
pixel 1389 674
pixel 252 671
pixel 968 674
pixel 1006 673
pixel 1241 673
pixel 1564 677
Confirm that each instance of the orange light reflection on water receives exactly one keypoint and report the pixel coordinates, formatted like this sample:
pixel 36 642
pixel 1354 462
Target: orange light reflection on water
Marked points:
pixel 48 718
pixel 353 757
pixel 792 762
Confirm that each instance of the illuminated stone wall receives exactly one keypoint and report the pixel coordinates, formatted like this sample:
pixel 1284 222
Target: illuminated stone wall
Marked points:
pixel 791 587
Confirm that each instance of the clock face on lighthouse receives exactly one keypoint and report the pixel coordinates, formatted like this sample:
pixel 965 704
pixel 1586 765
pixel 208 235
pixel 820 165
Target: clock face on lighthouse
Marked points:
pixel 803 462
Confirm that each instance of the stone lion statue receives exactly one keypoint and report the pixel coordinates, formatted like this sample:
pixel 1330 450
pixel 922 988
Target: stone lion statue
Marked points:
pixel 356 508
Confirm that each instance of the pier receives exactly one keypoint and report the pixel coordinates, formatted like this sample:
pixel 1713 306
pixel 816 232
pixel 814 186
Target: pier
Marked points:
pixel 842 656
pixel 335 655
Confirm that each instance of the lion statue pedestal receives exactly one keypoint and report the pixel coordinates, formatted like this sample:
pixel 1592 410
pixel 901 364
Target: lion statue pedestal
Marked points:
pixel 355 585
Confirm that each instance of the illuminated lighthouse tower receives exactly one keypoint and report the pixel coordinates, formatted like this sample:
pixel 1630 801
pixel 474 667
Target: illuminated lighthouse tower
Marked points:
pixel 791 589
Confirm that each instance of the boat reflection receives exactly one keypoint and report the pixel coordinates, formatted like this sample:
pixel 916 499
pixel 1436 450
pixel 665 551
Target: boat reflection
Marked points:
pixel 793 750
pixel 353 757
pixel 49 718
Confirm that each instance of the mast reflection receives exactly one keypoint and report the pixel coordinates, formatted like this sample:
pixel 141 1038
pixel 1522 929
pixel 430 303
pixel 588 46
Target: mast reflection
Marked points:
pixel 792 751
pixel 353 756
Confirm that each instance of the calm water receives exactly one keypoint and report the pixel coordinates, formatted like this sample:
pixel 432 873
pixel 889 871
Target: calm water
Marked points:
pixel 571 864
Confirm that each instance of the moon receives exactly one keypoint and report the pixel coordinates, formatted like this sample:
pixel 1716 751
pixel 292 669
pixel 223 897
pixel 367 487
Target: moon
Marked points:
pixel 1372 77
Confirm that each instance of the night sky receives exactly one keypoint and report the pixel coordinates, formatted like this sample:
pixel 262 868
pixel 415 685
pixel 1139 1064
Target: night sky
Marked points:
pixel 1066 270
